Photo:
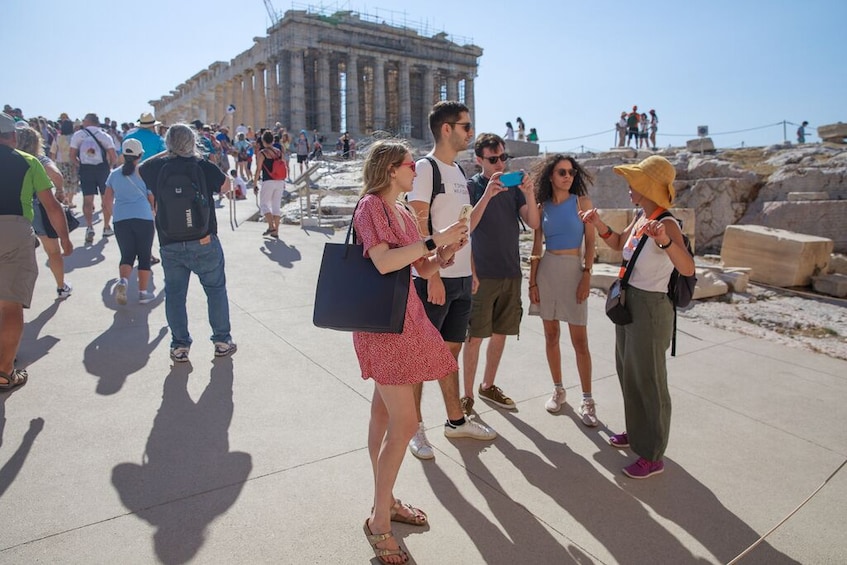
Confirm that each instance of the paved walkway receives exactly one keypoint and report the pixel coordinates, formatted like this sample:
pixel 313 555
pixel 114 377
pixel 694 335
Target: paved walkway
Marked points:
pixel 112 455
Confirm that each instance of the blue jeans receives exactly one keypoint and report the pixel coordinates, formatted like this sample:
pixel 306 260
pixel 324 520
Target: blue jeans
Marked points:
pixel 181 259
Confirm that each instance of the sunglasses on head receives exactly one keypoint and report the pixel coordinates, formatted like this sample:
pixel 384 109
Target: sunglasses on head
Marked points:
pixel 410 164
pixel 467 125
pixel 566 172
pixel 493 160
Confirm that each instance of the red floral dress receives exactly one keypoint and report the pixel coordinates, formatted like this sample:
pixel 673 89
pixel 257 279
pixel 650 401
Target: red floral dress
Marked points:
pixel 419 353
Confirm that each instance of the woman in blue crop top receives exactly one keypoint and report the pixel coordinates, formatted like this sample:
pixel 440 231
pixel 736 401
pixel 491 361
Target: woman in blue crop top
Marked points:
pixel 559 280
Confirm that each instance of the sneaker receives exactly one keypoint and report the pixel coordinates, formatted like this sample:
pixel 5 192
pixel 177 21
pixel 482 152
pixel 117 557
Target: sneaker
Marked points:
pixel 555 403
pixel 65 291
pixel 643 468
pixel 107 231
pixel 471 429
pixel 620 441
pixel 146 296
pixel 419 445
pixel 225 348
pixel 467 405
pixel 120 293
pixel 587 412
pixel 494 395
pixel 89 235
pixel 179 354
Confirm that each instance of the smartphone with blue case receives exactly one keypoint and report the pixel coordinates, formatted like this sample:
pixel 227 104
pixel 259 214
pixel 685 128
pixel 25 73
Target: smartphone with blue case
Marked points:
pixel 514 178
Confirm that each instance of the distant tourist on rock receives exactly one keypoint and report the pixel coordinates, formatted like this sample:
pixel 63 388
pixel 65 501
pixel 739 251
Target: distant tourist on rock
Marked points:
pixel 632 120
pixel 533 136
pixel 644 134
pixel 641 346
pixel 621 129
pixel 801 132
pixel 510 132
pixel 654 127
pixel 302 151
pixel 521 129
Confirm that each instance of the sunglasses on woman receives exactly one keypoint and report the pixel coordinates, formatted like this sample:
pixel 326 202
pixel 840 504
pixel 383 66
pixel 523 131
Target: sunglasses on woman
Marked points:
pixel 410 164
pixel 493 160
pixel 566 172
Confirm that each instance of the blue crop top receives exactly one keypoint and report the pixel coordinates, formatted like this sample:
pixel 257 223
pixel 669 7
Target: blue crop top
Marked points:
pixel 562 227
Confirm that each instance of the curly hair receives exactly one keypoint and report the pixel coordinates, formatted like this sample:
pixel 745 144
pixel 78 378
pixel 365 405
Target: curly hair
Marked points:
pixel 544 170
pixel 29 141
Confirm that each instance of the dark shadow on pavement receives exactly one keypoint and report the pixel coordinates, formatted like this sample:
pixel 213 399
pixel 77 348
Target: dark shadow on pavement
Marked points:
pixel 10 469
pixel 125 347
pixel 187 477
pixel 86 255
pixel 280 252
pixel 325 230
pixel 32 346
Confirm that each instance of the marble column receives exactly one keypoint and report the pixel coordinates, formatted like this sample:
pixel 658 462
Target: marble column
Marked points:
pixel 218 104
pixel 249 114
pixel 469 99
pixel 379 94
pixel 274 114
pixel 238 86
pixel 352 73
pixel 324 111
pixel 298 92
pixel 405 99
pixel 452 87
pixel 228 99
pixel 428 99
pixel 261 112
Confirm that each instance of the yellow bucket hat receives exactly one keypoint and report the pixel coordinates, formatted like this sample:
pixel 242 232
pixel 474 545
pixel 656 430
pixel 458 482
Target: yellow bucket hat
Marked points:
pixel 652 178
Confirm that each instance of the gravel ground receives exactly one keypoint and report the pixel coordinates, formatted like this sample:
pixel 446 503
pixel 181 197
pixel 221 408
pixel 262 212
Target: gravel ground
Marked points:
pixel 818 325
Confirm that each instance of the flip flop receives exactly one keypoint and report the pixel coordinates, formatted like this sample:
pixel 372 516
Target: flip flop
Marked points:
pixel 380 553
pixel 17 379
pixel 419 518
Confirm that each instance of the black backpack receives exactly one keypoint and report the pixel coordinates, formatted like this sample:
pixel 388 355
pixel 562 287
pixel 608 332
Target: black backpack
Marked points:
pixel 182 201
pixel 680 287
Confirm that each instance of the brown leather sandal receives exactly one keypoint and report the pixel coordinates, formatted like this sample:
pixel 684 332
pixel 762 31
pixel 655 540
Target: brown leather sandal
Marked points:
pixel 380 553
pixel 418 518
pixel 17 379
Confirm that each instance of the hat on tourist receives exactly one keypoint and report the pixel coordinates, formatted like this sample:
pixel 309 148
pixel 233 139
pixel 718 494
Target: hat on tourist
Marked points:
pixel 652 178
pixel 197 124
pixel 147 121
pixel 7 123
pixel 132 147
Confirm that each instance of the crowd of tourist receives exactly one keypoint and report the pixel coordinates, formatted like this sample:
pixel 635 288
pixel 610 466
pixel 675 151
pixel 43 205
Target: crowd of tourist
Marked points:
pixel 459 234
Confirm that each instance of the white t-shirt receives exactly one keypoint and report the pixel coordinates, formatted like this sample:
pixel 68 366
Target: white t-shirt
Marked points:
pixel 89 151
pixel 446 207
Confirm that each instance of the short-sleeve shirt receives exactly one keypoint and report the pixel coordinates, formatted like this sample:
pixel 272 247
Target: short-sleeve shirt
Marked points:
pixel 130 196
pixel 214 179
pixel 495 246
pixel 89 152
pixel 21 177
pixel 419 353
pixel 446 207
pixel 151 142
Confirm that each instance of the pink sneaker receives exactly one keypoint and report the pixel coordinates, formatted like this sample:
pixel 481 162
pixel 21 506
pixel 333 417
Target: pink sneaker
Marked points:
pixel 620 441
pixel 642 469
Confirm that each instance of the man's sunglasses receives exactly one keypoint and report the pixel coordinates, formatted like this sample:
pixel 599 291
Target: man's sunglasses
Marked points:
pixel 493 160
pixel 467 125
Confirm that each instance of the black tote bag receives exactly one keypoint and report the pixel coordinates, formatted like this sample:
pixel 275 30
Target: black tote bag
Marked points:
pixel 353 296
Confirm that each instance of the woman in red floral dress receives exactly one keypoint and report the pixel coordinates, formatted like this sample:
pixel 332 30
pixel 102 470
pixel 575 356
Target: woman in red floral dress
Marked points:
pixel 395 362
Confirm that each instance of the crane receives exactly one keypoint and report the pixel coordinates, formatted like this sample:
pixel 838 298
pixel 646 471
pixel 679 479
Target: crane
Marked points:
pixel 271 12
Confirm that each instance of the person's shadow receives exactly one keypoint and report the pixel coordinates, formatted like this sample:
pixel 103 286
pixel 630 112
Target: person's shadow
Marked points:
pixel 188 476
pixel 280 252
pixel 125 347
pixel 86 255
pixel 32 346
pixel 10 469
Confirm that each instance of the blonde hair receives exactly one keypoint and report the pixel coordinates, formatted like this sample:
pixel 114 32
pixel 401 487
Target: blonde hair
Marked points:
pixel 384 156
pixel 29 141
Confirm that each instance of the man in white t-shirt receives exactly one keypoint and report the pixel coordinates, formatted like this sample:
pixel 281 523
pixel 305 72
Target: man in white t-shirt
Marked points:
pixel 446 295
pixel 95 151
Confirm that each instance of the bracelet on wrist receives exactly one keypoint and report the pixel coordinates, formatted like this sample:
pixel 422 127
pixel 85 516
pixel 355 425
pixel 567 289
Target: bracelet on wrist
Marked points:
pixel 535 257
pixel 608 233
pixel 665 246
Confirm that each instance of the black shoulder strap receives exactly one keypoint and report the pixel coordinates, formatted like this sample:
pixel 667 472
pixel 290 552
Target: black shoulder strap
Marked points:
pixel 437 188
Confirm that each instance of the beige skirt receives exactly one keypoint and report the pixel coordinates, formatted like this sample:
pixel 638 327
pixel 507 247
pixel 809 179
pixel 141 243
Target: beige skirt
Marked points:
pixel 557 278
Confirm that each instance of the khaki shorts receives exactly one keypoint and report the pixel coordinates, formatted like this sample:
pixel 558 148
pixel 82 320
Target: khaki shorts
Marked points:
pixel 18 269
pixel 496 308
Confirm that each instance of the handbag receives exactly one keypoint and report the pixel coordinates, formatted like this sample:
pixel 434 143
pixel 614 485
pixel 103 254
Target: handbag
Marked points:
pixel 73 221
pixel 353 296
pixel 616 308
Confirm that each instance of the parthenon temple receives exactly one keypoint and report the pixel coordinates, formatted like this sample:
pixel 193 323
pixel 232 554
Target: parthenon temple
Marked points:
pixel 334 73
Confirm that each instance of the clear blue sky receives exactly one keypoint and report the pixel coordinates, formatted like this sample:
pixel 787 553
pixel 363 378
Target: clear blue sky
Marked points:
pixel 567 68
